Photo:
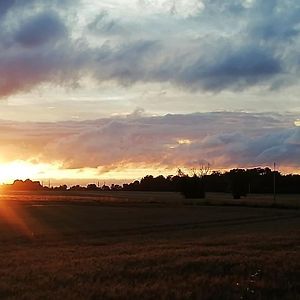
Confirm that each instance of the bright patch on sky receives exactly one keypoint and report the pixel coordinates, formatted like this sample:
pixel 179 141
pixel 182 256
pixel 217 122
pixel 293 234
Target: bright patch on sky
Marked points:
pixel 18 170
pixel 176 7
pixel 297 122
pixel 45 172
pixel 184 142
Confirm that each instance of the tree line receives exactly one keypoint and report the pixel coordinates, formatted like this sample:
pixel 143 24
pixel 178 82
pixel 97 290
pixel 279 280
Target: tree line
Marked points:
pixel 239 182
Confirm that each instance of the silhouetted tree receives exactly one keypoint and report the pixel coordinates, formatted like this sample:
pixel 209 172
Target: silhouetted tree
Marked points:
pixel 77 188
pixel 27 185
pixel 237 181
pixel 115 187
pixel 105 188
pixel 92 187
pixel 191 187
pixel 239 184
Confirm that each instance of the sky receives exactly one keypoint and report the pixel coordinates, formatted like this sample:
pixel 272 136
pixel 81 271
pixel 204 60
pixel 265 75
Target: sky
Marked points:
pixel 115 90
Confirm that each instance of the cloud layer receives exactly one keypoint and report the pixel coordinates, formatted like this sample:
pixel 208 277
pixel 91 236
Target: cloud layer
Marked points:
pixel 208 45
pixel 222 139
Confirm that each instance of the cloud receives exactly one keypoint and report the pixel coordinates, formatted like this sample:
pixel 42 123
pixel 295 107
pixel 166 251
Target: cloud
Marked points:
pixel 36 47
pixel 104 24
pixel 22 71
pixel 5 5
pixel 214 46
pixel 41 29
pixel 224 139
pixel 223 46
pixel 275 20
pixel 235 69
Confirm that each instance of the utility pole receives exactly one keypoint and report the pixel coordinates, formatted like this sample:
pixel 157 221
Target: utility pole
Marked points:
pixel 274 184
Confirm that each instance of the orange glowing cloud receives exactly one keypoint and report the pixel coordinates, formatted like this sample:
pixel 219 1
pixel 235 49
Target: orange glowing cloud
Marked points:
pixel 118 144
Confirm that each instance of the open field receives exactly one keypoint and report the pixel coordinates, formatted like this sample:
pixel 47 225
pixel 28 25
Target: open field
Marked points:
pixel 145 247
pixel 112 197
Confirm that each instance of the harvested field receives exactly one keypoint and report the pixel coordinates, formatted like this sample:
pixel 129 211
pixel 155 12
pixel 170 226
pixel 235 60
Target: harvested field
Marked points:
pixel 54 248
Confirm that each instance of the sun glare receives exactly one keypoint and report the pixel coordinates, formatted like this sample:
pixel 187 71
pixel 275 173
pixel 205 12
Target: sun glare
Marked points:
pixel 18 170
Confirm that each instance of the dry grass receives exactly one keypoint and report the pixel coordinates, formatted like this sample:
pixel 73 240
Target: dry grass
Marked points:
pixel 101 197
pixel 149 252
pixel 256 200
pixel 242 266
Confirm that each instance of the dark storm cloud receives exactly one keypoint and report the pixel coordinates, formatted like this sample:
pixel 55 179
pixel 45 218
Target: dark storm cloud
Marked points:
pixel 40 29
pixel 225 46
pixel 239 68
pixel 23 72
pixel 244 46
pixel 275 20
pixel 37 48
pixel 5 5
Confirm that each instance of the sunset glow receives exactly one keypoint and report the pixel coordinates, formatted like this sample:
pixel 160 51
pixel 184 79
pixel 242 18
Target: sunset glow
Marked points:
pixel 89 90
pixel 45 172
pixel 15 218
pixel 24 170
pixel 19 170
pixel 184 142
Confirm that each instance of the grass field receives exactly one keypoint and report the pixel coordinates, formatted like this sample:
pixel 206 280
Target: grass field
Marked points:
pixel 146 246
pixel 111 197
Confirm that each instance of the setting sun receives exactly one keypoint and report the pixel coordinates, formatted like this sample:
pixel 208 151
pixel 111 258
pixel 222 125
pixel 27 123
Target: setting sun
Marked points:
pixel 23 170
pixel 18 170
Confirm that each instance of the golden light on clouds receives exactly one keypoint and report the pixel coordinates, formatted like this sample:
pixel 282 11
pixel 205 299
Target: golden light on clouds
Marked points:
pixel 23 170
pixel 297 122
pixel 184 142
pixel 19 169
pixel 59 175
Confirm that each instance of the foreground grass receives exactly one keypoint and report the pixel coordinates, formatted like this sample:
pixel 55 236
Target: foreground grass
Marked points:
pixel 91 250
pixel 238 267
